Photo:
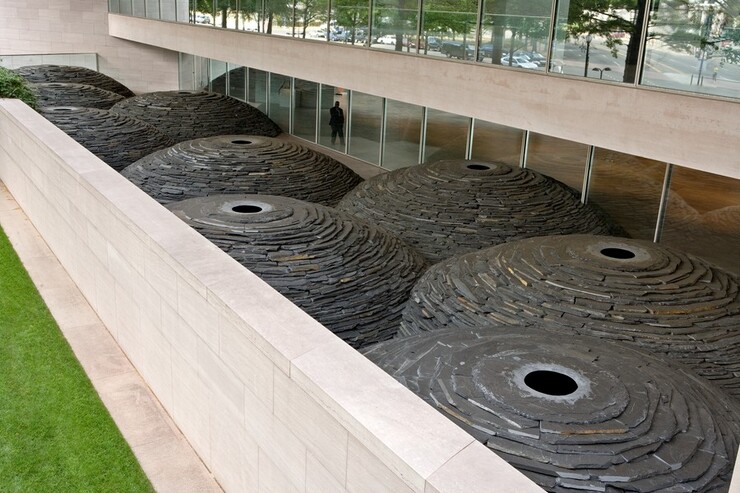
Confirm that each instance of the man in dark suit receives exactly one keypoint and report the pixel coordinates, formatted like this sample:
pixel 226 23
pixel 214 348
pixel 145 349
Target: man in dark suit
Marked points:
pixel 336 122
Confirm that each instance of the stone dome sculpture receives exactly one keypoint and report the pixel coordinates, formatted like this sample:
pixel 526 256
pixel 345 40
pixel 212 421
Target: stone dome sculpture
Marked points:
pixel 67 94
pixel 185 115
pixel 116 139
pixel 248 164
pixel 74 75
pixel 456 206
pixel 574 414
pixel 646 295
pixel 348 274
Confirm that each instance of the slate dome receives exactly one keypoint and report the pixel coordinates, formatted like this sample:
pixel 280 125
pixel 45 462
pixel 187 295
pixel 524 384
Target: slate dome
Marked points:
pixel 74 75
pixel 68 94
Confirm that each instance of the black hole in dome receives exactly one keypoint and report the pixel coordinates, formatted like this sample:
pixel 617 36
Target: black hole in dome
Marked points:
pixel 550 382
pixel 61 109
pixel 478 167
pixel 183 92
pixel 247 209
pixel 241 142
pixel 619 253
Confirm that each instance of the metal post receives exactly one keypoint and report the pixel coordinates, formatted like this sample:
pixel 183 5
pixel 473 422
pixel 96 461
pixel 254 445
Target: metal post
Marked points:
pixel 348 133
pixel 586 188
pixel 524 155
pixel 588 49
pixel 383 125
pixel 423 139
pixel 469 142
pixel 663 203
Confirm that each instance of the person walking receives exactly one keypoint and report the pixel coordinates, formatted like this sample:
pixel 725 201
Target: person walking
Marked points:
pixel 336 122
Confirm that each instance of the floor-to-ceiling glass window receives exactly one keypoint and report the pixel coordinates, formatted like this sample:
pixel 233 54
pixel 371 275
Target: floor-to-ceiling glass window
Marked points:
pixel 193 72
pixel 202 11
pixel 138 8
pixel 328 96
pixel 628 188
pixel 349 21
pixel 305 106
pixel 704 224
pixel 561 159
pixel 309 18
pixel 257 86
pixel 217 77
pixel 126 7
pixel 395 24
pixel 237 81
pixel 515 33
pixel 449 27
pixel 280 95
pixel 693 46
pixel 493 142
pixel 599 40
pixel 366 124
pixel 402 134
pixel 226 14
pixel 152 8
pixel 446 136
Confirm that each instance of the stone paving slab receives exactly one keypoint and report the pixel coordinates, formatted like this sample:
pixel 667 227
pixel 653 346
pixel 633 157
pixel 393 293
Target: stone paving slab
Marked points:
pixel 164 454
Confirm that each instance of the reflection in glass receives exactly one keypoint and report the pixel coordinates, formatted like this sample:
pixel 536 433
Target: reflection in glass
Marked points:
pixel 152 8
pixel 257 95
pixel 402 134
pixel 395 24
pixel 275 18
pixel 628 188
pixel 701 223
pixel 113 6
pixel 515 32
pixel 280 91
pixel 126 7
pixel 226 14
pixel 217 77
pixel 349 21
pixel 452 26
pixel 328 96
pixel 446 137
pixel 237 82
pixel 493 142
pixel 305 103
pixel 139 8
pixel 202 11
pixel 561 159
pixel 309 16
pixel 364 135
pixel 693 46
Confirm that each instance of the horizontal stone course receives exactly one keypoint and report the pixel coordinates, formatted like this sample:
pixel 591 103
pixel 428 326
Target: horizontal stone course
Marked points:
pixel 68 94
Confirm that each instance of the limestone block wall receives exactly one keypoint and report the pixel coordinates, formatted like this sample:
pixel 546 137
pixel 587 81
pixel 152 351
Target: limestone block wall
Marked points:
pixel 81 26
pixel 269 398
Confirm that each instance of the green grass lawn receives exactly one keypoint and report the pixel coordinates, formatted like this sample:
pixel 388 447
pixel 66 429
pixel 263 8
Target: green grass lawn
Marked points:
pixel 55 434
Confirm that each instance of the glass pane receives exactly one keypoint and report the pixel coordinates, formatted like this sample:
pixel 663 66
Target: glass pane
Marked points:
pixel 628 188
pixel 218 77
pixel 226 14
pixel 113 6
pixel 395 24
pixel 402 134
pixel 693 46
pixel 237 82
pixel 304 109
pixel 193 72
pixel 515 33
pixel 168 9
pixel 349 21
pixel 598 40
pixel 703 217
pixel 561 159
pixel 447 136
pixel 182 14
pixel 139 8
pixel 493 142
pixel 367 113
pixel 258 89
pixel 152 9
pixel 126 7
pixel 203 11
pixel 451 26
pixel 280 100
pixel 277 17
pixel 329 96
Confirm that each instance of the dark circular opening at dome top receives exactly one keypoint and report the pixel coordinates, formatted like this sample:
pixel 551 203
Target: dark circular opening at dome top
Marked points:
pixel 478 167
pixel 247 209
pixel 618 253
pixel 242 142
pixel 183 92
pixel 61 110
pixel 550 382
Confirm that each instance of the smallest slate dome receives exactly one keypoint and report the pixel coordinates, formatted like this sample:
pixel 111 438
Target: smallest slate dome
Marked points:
pixel 185 115
pixel 574 414
pixel 67 94
pixel 457 206
pixel 348 274
pixel 241 164
pixel 116 139
pixel 74 75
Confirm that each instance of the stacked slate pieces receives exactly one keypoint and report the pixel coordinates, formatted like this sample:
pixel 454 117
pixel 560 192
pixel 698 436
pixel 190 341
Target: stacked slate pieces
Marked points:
pixel 66 94
pixel 241 164
pixel 38 74
pixel 348 274
pixel 662 300
pixel 574 414
pixel 457 206
pixel 185 115
pixel 117 140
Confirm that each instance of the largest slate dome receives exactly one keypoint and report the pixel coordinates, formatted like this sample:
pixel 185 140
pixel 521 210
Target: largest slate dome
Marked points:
pixel 67 94
pixel 241 164
pixel 660 299
pixel 185 115
pixel 73 75
pixel 456 206
pixel 117 140
pixel 348 274
pixel 574 414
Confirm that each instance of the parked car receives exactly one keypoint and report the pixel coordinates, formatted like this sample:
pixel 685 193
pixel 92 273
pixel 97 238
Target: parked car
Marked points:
pixel 203 18
pixel 537 58
pixel 456 49
pixel 388 39
pixel 433 43
pixel 517 61
pixel 486 50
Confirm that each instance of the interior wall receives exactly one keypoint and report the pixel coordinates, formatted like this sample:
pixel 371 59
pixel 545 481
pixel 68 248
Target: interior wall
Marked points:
pixel 78 26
